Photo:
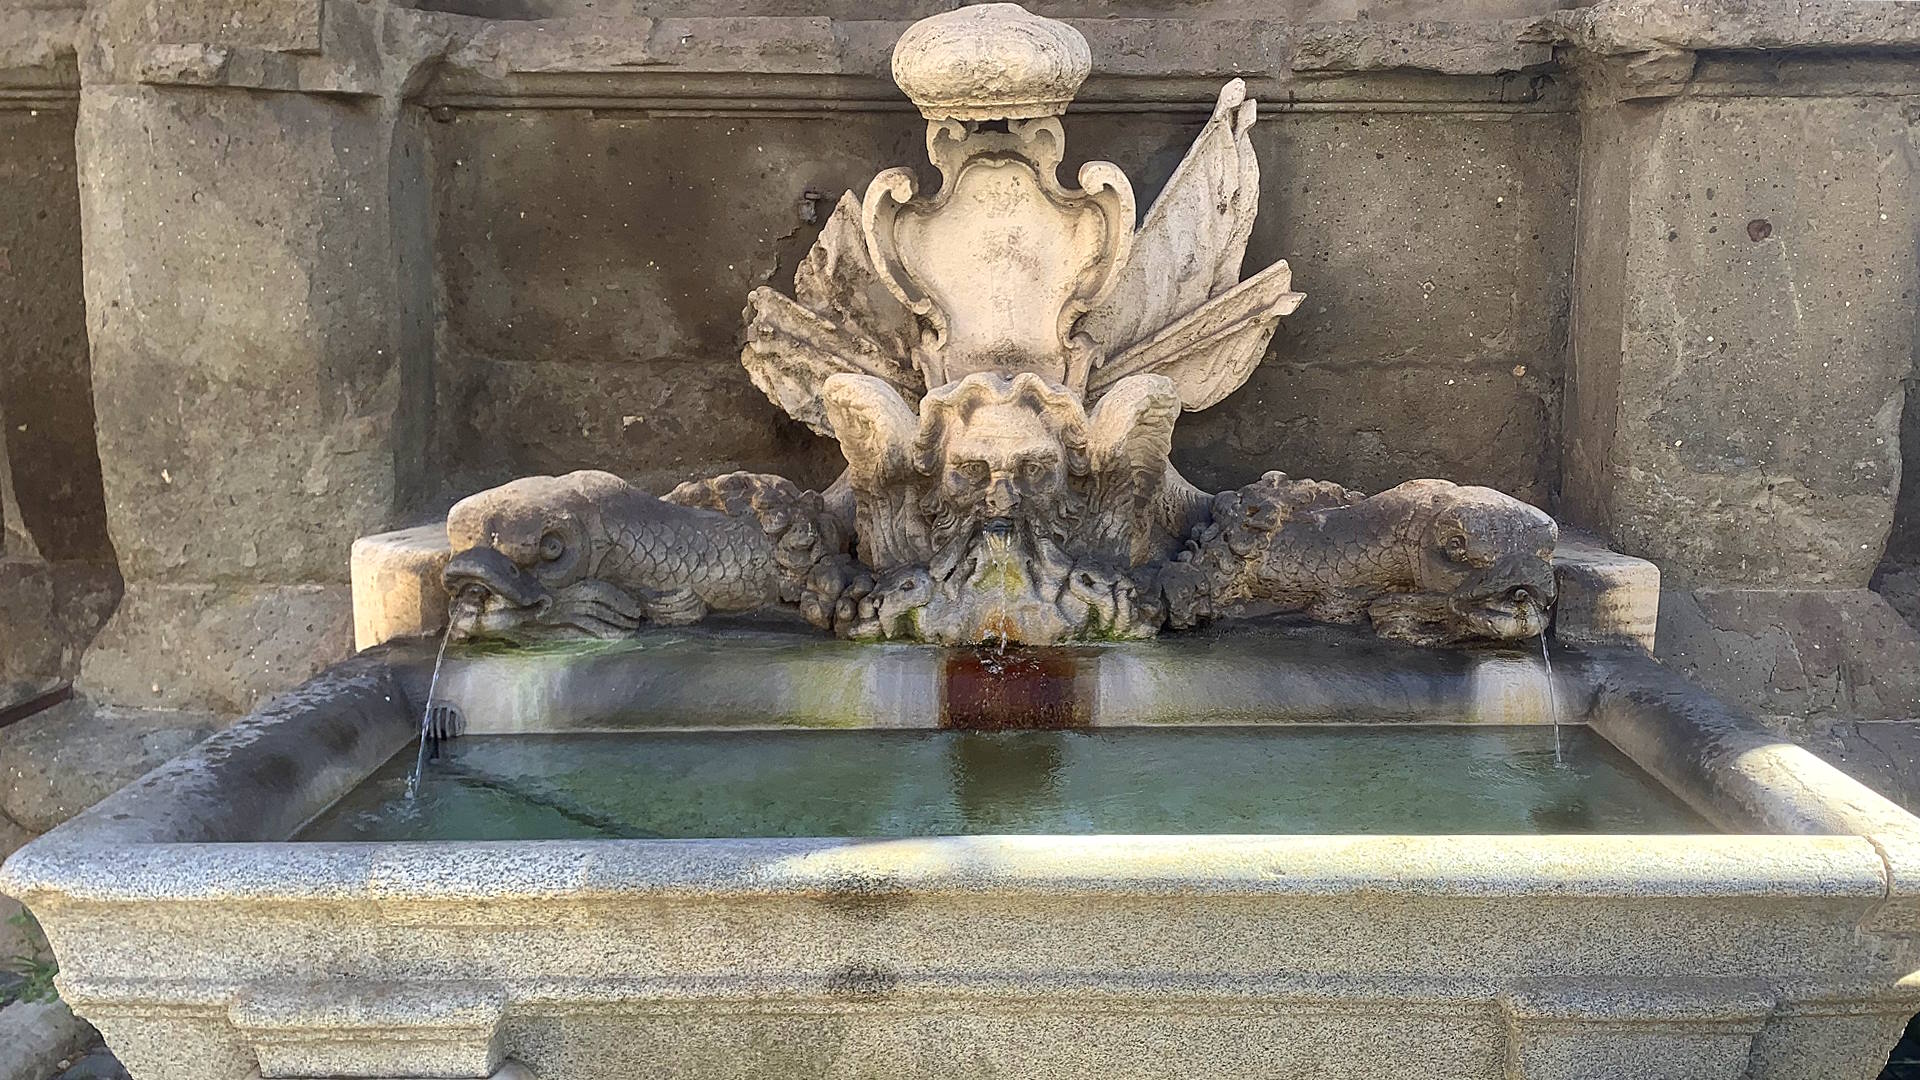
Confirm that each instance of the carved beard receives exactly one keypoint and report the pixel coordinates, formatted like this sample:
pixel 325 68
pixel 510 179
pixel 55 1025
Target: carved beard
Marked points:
pixel 1053 516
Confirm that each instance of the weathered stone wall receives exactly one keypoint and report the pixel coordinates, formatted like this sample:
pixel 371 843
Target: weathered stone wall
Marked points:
pixel 1898 576
pixel 593 266
pixel 1763 328
pixel 245 376
pixel 44 385
pixel 1743 333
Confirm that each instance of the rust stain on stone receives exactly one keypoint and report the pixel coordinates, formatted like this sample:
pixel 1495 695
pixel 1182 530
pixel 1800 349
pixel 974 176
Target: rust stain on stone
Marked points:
pixel 1021 688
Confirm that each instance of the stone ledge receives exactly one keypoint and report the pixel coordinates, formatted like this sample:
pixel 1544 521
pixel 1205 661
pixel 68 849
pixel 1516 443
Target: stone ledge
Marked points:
pixel 396 584
pixel 1160 48
pixel 1154 60
pixel 1625 27
pixel 1606 598
pixel 377 49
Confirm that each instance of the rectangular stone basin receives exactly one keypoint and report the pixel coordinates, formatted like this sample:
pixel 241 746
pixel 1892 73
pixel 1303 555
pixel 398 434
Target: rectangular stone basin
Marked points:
pixel 1730 907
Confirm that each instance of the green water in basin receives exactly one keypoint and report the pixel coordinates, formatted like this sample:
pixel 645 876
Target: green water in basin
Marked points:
pixel 1293 779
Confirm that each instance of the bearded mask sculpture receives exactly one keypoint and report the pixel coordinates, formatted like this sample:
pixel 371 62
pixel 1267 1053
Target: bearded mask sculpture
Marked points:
pixel 1002 362
pixel 1000 453
pixel 1025 513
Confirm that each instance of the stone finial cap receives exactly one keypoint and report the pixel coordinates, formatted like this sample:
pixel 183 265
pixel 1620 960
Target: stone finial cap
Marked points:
pixel 990 62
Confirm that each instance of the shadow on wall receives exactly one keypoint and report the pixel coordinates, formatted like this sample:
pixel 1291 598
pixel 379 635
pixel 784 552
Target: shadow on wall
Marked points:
pixel 58 580
pixel 1898 577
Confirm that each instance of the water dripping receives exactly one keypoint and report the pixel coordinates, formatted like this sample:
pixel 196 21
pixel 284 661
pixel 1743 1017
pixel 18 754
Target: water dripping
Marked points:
pixel 426 720
pixel 1553 701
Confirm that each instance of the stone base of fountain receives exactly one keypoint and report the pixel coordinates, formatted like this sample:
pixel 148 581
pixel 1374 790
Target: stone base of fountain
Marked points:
pixel 1605 598
pixel 1778 949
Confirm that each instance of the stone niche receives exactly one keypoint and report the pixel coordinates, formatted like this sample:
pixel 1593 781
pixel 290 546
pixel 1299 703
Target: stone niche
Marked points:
pixel 593 263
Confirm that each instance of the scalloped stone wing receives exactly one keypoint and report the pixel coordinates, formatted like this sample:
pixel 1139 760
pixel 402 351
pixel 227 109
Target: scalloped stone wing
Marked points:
pixel 876 428
pixel 837 280
pixel 1209 353
pixel 1129 435
pixel 843 319
pixel 791 352
pixel 1189 248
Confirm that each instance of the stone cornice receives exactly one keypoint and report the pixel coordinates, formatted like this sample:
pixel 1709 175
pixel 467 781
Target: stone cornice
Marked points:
pixel 37 62
pixel 1625 27
pixel 776 64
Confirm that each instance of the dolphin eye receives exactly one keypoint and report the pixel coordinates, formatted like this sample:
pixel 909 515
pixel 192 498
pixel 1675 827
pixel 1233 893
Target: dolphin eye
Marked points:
pixel 1456 546
pixel 552 546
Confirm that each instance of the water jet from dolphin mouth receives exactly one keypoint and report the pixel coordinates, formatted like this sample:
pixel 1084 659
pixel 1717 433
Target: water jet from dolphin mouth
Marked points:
pixel 427 734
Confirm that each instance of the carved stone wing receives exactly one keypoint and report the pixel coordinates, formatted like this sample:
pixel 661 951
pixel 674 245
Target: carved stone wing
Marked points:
pixel 1210 353
pixel 843 320
pixel 1129 436
pixel 837 279
pixel 876 428
pixel 1188 250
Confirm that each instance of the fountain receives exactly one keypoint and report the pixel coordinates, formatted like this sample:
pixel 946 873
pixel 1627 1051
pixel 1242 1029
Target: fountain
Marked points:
pixel 1011 752
pixel 1002 363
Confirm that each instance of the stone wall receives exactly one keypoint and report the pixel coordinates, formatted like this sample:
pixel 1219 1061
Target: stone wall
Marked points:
pixel 1898 575
pixel 593 264
pixel 1743 334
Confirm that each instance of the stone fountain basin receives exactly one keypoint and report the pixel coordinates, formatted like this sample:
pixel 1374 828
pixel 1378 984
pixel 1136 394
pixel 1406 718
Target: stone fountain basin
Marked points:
pixel 205 945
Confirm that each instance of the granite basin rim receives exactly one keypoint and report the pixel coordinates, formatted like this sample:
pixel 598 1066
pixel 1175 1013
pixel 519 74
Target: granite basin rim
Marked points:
pixel 1503 865
pixel 1796 928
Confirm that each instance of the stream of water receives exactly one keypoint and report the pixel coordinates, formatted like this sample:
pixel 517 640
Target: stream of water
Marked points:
pixel 1553 702
pixel 426 721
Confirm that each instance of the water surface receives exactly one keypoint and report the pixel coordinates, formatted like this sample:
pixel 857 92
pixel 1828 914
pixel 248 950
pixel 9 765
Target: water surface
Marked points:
pixel 1280 779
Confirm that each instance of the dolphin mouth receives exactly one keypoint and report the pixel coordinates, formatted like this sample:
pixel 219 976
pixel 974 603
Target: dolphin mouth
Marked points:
pixel 491 596
pixel 1515 613
pixel 494 599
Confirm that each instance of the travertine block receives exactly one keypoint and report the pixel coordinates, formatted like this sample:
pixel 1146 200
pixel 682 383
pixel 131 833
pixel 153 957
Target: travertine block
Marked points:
pixel 396 584
pixel 1742 340
pixel 1605 598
